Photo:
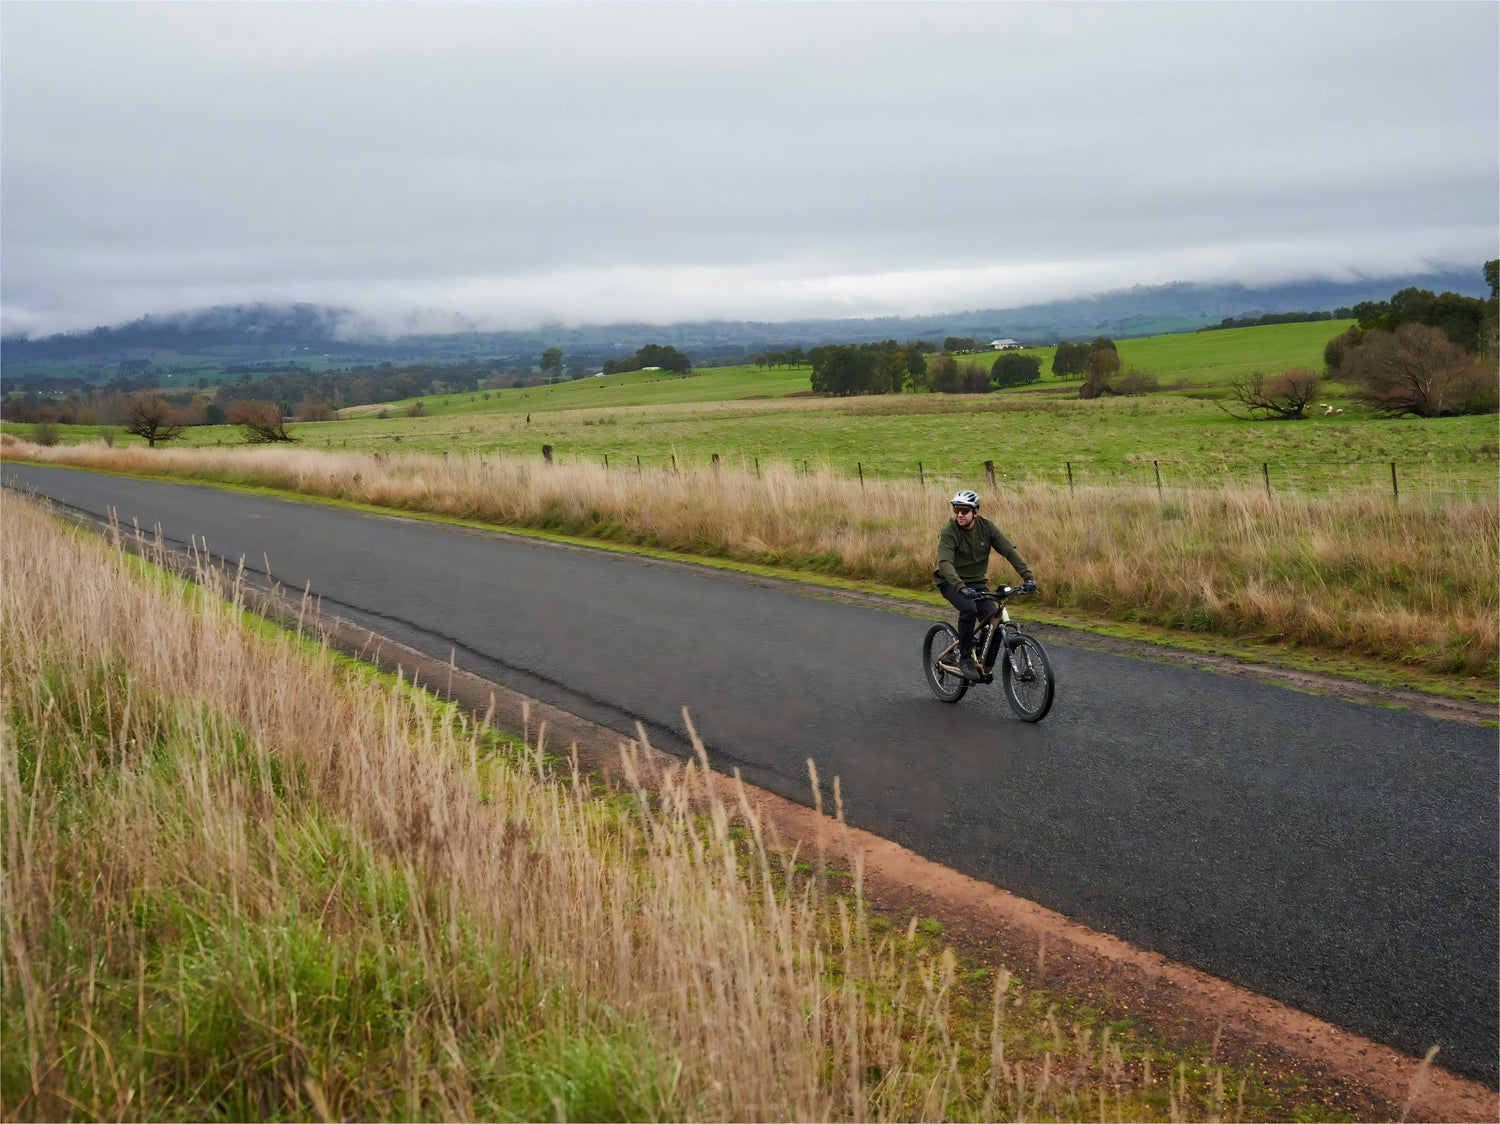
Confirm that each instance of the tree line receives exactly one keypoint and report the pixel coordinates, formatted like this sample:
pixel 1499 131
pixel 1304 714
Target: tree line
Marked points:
pixel 663 356
pixel 1279 318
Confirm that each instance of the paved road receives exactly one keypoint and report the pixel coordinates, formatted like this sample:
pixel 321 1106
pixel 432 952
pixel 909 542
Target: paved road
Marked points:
pixel 1339 857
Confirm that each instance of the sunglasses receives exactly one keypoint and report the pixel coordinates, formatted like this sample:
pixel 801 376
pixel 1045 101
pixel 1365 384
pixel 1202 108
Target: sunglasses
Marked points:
pixel 963 511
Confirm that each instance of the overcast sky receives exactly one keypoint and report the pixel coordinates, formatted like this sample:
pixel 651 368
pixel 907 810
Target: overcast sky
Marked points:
pixel 515 163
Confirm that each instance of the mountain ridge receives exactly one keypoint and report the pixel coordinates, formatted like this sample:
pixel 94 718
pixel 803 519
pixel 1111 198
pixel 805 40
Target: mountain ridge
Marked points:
pixel 255 330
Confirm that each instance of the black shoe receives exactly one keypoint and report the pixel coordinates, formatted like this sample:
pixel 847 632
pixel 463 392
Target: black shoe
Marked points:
pixel 970 669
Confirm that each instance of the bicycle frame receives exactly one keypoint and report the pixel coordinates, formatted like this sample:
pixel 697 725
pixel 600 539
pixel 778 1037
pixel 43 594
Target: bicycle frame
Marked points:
pixel 991 636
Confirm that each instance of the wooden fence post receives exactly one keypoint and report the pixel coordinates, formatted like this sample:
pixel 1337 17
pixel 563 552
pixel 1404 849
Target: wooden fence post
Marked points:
pixel 715 458
pixel 921 476
pixel 989 474
pixel 1395 491
pixel 1265 471
pixel 1158 478
pixel 859 465
pixel 547 453
pixel 757 468
pixel 674 464
pixel 606 462
pixel 1070 476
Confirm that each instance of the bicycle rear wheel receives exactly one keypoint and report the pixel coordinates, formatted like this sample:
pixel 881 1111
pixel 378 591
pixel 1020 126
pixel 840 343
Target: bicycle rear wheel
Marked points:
pixel 1027 675
pixel 940 663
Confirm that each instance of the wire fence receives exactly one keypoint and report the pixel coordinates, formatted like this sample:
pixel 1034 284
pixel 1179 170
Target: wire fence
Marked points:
pixel 1468 481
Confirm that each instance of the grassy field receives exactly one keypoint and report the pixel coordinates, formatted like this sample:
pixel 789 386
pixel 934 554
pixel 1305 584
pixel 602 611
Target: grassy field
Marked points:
pixel 246 880
pixel 1039 434
pixel 1194 360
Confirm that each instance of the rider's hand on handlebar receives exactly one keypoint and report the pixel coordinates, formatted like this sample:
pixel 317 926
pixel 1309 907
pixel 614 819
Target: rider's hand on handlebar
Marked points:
pixel 1028 586
pixel 970 591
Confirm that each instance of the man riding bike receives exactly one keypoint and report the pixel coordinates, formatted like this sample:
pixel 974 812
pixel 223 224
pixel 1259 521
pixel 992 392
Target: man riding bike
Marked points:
pixel 963 570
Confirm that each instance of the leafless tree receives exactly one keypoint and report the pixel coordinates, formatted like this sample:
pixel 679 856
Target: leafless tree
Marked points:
pixel 151 416
pixel 1284 397
pixel 1417 370
pixel 262 422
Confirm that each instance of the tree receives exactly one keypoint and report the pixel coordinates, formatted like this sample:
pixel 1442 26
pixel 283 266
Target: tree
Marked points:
pixel 151 416
pixel 552 362
pixel 943 377
pixel 1418 370
pixel 1102 364
pixel 1070 359
pixel 1335 349
pixel 1284 397
pixel 842 371
pixel 954 344
pixel 916 366
pixel 262 422
pixel 1014 369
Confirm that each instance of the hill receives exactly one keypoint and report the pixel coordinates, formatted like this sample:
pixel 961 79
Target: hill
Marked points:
pixel 260 333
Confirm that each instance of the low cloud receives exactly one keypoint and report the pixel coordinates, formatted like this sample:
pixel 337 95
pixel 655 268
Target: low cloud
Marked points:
pixel 499 165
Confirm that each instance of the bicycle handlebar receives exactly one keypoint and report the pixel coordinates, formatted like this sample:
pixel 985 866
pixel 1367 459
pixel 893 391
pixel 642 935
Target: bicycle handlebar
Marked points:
pixel 1001 594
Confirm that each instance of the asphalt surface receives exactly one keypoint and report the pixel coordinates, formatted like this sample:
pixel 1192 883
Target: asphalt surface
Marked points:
pixel 1341 858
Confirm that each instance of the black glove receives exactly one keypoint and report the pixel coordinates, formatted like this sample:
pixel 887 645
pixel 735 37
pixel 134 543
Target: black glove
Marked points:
pixel 970 591
pixel 1028 586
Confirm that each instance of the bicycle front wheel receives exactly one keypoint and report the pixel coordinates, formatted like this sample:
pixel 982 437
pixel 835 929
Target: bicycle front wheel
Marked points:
pixel 1027 675
pixel 940 663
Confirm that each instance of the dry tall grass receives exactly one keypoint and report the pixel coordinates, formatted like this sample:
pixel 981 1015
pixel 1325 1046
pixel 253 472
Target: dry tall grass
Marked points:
pixel 1411 583
pixel 241 882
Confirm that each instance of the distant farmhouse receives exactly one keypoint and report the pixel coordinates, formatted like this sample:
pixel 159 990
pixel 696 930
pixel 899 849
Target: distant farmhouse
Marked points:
pixel 1004 345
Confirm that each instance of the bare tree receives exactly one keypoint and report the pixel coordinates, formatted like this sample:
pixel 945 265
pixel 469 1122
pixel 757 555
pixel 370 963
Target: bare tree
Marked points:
pixel 1417 370
pixel 151 416
pixel 262 422
pixel 1284 397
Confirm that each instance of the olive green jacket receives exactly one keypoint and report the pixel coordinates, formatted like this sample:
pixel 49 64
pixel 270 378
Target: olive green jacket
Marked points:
pixel 964 556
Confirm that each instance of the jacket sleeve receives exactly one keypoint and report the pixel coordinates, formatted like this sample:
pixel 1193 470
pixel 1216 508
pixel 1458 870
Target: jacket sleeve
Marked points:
pixel 945 569
pixel 1002 545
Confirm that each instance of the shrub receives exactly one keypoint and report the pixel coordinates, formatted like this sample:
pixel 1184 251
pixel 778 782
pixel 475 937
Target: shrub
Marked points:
pixel 1417 370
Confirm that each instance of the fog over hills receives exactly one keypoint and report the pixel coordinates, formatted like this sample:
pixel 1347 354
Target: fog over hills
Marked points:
pixel 256 331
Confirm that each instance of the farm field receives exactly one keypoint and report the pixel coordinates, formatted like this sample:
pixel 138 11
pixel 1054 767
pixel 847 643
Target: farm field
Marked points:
pixel 1125 442
pixel 754 417
pixel 1031 438
pixel 1213 358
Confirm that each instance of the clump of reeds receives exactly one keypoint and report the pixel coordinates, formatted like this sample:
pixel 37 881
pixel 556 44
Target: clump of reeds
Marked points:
pixel 1409 583
pixel 244 880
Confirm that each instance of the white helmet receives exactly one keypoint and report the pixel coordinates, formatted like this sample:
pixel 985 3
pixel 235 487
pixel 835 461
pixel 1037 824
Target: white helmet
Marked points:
pixel 965 498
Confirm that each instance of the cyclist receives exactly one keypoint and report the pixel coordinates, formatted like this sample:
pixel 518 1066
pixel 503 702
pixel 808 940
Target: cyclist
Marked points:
pixel 963 568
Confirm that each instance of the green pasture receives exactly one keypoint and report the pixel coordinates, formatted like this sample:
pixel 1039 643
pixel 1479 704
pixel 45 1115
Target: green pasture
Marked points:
pixel 629 388
pixel 1127 442
pixel 1201 360
pixel 658 420
pixel 1105 442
